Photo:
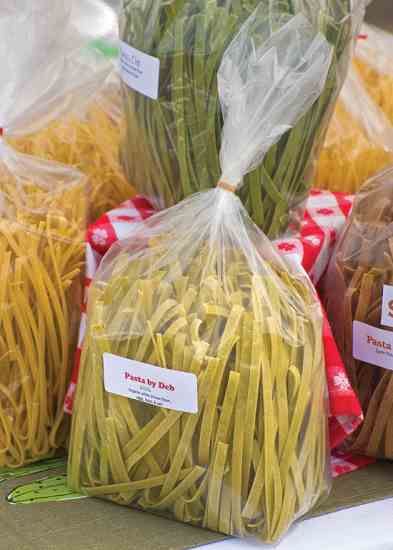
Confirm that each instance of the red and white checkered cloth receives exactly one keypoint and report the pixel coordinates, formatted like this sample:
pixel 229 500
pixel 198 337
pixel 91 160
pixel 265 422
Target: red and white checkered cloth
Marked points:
pixel 323 221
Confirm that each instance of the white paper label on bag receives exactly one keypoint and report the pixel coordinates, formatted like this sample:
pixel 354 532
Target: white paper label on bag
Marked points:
pixel 387 306
pixel 139 71
pixel 373 345
pixel 165 388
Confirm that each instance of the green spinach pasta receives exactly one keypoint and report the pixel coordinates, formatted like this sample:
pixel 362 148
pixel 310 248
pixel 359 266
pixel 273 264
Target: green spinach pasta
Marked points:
pixel 254 457
pixel 178 135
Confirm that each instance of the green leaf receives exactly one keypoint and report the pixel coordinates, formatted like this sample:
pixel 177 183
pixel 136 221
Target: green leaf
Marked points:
pixel 49 489
pixel 36 468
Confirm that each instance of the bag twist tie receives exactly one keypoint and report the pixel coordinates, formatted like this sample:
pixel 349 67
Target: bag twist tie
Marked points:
pixel 222 184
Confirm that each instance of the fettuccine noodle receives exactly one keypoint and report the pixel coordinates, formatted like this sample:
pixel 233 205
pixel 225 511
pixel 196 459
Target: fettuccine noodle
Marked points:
pixel 362 266
pixel 254 456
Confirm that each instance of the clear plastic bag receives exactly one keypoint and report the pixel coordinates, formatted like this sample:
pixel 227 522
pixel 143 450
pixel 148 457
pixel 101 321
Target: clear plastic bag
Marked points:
pixel 95 18
pixel 199 291
pixel 47 18
pixel 356 292
pixel 374 61
pixel 178 135
pixel 359 142
pixel 58 113
pixel 43 207
pixel 42 226
pixel 89 139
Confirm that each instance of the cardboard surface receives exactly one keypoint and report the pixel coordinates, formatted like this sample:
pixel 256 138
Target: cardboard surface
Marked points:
pixel 364 486
pixel 91 524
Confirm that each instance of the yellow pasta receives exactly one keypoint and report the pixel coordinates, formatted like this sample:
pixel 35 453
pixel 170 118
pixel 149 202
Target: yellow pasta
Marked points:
pixel 379 85
pixel 42 251
pixel 351 154
pixel 360 138
pixel 374 62
pixel 90 143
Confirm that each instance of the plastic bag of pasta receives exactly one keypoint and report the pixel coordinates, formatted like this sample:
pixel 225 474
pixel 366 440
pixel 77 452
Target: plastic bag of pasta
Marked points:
pixel 359 142
pixel 42 225
pixel 170 55
pixel 64 91
pixel 359 299
pixel 374 61
pixel 202 388
pixel 89 139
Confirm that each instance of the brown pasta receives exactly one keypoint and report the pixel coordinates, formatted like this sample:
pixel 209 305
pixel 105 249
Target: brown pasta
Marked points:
pixel 362 265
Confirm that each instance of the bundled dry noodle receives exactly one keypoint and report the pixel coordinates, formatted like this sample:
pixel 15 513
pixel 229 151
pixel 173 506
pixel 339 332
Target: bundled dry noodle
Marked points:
pixel 374 61
pixel 200 290
pixel 178 135
pixel 359 141
pixel 90 143
pixel 354 291
pixel 254 457
pixel 43 217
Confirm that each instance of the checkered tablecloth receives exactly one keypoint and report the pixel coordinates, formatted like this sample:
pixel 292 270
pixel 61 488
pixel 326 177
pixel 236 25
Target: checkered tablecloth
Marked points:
pixel 324 219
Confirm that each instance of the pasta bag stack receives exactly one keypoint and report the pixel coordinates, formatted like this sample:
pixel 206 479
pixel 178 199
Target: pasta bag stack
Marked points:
pixel 359 142
pixel 43 209
pixel 359 304
pixel 202 389
pixel 374 61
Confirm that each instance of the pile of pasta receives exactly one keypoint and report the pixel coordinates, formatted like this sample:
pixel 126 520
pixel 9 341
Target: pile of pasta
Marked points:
pixel 379 85
pixel 90 143
pixel 254 456
pixel 374 61
pixel 359 141
pixel 42 255
pixel 354 291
